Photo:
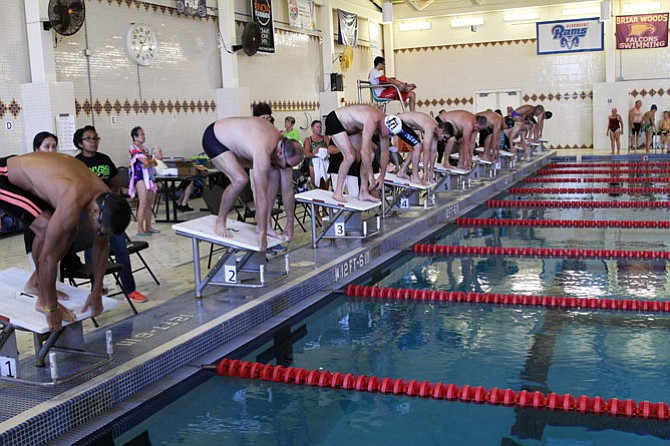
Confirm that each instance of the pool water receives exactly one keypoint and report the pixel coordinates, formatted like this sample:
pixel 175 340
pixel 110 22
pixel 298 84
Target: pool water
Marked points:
pixel 578 352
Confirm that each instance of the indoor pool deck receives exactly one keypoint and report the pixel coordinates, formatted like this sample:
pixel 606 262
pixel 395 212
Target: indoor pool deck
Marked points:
pixel 165 343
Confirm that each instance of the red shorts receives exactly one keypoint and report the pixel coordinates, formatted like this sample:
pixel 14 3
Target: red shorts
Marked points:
pixel 392 93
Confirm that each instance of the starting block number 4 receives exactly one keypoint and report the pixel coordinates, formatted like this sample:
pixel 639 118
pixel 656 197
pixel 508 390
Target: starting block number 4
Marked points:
pixel 7 367
pixel 230 273
pixel 404 203
pixel 339 229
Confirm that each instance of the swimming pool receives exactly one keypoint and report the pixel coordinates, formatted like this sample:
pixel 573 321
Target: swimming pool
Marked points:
pixel 570 351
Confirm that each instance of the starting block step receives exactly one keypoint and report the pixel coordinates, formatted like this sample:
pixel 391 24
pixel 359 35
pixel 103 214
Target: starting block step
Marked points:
pixel 405 193
pixel 225 272
pixel 19 307
pixel 346 219
pixel 17 312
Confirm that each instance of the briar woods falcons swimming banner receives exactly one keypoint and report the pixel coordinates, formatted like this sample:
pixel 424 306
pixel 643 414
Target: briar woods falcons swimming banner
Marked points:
pixel 261 11
pixel 641 31
pixel 569 36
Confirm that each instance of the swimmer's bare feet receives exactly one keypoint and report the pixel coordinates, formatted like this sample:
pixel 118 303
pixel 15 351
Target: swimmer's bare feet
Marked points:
pixel 366 196
pixel 223 231
pixel 402 173
pixel 339 197
pixel 272 233
pixel 29 289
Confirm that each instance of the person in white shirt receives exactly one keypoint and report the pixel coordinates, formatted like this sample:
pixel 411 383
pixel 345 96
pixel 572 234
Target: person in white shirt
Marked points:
pixel 377 77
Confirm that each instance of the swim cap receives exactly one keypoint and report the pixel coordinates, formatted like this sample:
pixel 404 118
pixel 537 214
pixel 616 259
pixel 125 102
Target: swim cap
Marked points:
pixel 653 107
pixel 548 115
pixel 393 123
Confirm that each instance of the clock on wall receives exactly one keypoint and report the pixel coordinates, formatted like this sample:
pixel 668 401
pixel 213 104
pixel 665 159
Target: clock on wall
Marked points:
pixel 141 43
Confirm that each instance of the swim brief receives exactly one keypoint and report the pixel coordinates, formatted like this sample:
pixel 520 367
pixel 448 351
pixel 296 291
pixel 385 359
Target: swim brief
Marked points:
pixel 333 124
pixel 637 127
pixel 408 135
pixel 18 202
pixel 211 145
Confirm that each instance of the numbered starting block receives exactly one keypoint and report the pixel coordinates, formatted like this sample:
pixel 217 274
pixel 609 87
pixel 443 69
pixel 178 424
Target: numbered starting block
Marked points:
pixel 452 178
pixel 346 220
pixel 507 158
pixel 66 350
pixel 536 147
pixel 405 194
pixel 241 265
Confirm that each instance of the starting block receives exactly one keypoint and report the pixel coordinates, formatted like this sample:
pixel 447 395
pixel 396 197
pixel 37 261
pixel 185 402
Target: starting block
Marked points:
pixel 405 193
pixel 225 272
pixel 345 219
pixel 462 178
pixel 508 158
pixel 17 312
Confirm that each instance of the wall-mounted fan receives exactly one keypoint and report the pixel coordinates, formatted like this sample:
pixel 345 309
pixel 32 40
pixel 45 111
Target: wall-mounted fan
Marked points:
pixel 346 58
pixel 66 16
pixel 251 39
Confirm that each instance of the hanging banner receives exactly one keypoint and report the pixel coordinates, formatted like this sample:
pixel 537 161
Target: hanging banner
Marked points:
pixel 347 28
pixel 262 14
pixel 302 14
pixel 642 31
pixel 570 36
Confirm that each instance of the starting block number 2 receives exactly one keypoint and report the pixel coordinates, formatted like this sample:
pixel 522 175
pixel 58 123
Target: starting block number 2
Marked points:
pixel 230 272
pixel 7 367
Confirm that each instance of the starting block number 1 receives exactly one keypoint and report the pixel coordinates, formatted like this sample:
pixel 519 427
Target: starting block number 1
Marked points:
pixel 7 367
pixel 339 229
pixel 230 272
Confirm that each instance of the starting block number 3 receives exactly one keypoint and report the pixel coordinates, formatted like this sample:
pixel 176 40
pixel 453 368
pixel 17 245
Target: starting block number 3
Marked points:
pixel 339 229
pixel 230 272
pixel 7 367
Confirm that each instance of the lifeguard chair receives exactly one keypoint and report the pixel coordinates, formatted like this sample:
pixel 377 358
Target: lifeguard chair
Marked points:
pixel 376 100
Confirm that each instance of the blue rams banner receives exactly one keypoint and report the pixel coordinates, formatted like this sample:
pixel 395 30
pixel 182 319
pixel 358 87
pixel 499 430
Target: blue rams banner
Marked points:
pixel 570 36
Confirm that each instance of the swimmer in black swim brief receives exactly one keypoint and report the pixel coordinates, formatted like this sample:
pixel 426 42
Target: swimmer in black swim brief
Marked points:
pixel 210 144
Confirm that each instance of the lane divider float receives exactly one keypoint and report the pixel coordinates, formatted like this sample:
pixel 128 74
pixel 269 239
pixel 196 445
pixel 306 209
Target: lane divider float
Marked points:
pixel 612 180
pixel 443 391
pixel 609 164
pixel 567 253
pixel 591 204
pixel 582 303
pixel 613 171
pixel 622 224
pixel 589 190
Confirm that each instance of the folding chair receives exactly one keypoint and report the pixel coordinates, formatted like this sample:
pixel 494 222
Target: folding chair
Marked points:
pixel 80 273
pixel 135 247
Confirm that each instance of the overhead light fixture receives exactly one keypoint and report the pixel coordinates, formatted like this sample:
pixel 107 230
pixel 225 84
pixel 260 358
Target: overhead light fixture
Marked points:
pixel 582 11
pixel 414 26
pixel 521 17
pixel 642 7
pixel 467 21
pixel 387 12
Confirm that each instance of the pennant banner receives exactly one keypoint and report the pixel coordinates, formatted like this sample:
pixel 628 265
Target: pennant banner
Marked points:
pixel 347 28
pixel 569 36
pixel 262 14
pixel 642 31
pixel 302 14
